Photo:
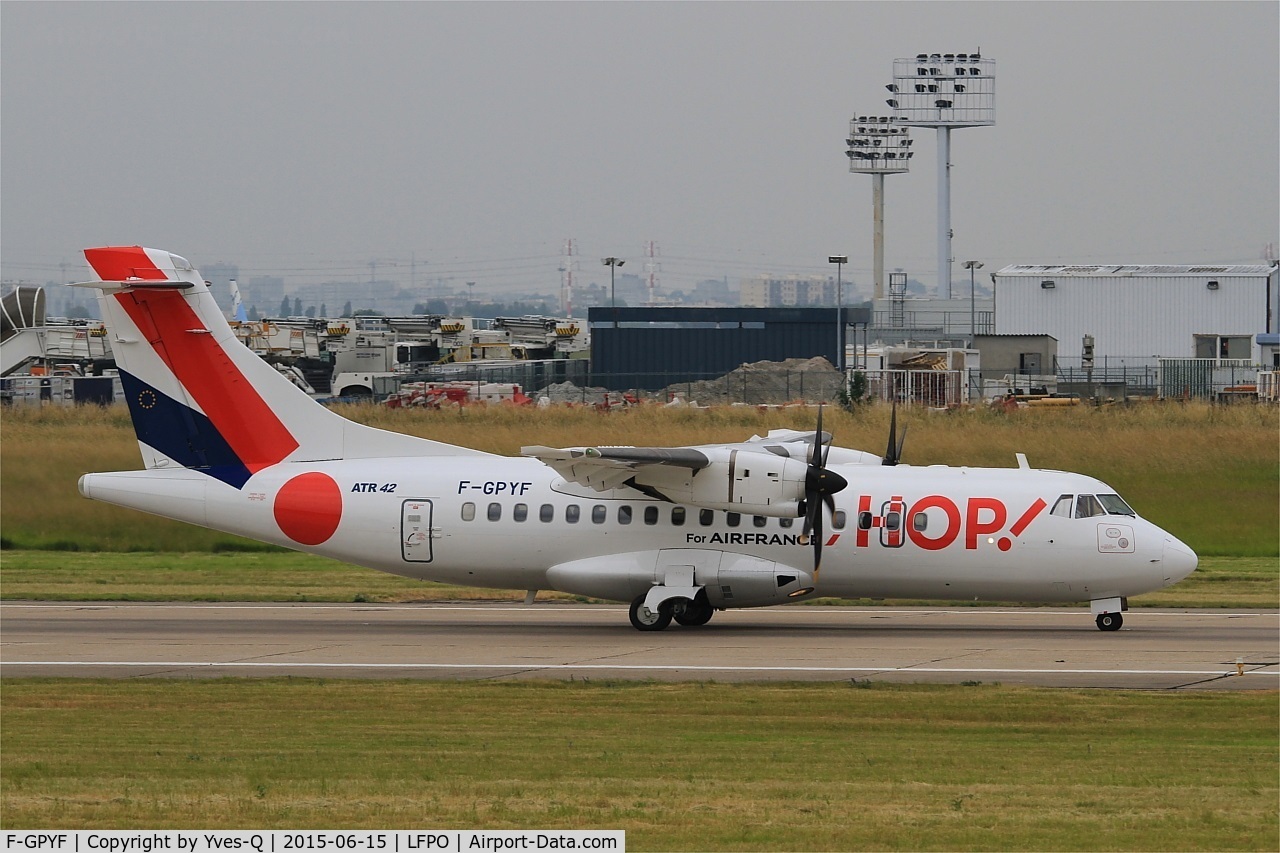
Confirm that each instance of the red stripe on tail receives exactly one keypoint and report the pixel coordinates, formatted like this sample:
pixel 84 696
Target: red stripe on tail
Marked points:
pixel 209 375
pixel 119 263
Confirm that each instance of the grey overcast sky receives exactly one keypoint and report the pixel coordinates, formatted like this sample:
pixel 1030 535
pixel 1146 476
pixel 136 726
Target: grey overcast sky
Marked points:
pixel 306 139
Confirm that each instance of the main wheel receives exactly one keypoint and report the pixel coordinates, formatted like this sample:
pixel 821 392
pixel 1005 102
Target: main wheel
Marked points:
pixel 644 619
pixel 1109 621
pixel 694 613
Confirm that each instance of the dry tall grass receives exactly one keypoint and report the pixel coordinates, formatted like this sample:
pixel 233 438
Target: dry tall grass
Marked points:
pixel 1208 473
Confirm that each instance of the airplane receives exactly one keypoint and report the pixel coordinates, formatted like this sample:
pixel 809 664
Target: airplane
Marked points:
pixel 237 304
pixel 677 532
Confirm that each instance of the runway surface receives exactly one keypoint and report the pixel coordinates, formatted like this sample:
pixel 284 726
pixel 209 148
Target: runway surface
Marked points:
pixel 1195 649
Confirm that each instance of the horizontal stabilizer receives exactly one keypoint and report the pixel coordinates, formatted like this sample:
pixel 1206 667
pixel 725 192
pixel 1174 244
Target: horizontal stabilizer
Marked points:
pixel 135 283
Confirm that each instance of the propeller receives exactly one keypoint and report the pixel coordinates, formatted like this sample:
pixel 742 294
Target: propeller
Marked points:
pixel 893 455
pixel 820 485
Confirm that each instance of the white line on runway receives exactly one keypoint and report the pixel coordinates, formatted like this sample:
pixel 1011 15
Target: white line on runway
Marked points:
pixel 633 667
pixel 422 607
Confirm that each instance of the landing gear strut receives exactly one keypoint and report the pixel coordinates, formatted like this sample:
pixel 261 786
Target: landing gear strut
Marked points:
pixel 1109 621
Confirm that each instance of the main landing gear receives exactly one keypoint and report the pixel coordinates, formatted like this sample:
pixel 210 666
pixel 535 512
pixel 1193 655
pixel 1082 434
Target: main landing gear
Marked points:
pixel 686 612
pixel 1109 621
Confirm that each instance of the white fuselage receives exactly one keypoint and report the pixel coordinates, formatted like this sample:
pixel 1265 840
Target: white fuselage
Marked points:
pixel 901 532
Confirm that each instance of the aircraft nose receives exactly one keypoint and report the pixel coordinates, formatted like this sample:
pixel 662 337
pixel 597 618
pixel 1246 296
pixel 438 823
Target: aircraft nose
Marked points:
pixel 1178 560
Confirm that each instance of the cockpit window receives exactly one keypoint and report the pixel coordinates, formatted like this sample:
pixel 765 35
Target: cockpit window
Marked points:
pixel 1063 506
pixel 1087 506
pixel 1115 505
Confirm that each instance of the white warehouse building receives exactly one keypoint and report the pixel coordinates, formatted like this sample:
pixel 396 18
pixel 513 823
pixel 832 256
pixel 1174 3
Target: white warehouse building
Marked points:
pixel 1141 313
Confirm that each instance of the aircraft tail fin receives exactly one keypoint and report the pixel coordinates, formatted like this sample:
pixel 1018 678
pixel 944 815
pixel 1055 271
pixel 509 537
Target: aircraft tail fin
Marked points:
pixel 198 397
pixel 237 304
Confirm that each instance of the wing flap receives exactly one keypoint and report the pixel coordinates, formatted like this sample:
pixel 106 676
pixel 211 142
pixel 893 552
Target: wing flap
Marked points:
pixel 605 468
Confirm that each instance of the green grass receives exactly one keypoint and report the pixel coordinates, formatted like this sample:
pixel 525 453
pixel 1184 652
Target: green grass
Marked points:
pixel 679 767
pixel 288 576
pixel 1208 474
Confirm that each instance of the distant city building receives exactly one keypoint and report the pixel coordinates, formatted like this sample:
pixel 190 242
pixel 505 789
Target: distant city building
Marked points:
pixel 713 291
pixel 264 292
pixel 764 291
pixel 219 277
pixel 360 293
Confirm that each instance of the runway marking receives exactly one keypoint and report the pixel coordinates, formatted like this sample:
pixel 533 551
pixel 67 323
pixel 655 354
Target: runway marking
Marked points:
pixel 426 607
pixel 525 666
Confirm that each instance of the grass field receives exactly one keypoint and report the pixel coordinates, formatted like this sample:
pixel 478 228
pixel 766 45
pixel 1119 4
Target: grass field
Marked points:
pixel 1209 474
pixel 1246 582
pixel 679 767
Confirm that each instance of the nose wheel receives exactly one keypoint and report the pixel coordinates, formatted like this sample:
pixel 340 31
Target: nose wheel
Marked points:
pixel 1109 621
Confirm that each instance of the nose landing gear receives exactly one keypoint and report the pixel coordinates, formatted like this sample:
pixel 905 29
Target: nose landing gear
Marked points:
pixel 1109 621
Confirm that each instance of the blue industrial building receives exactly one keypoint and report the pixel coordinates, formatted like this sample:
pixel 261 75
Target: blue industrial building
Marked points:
pixel 651 348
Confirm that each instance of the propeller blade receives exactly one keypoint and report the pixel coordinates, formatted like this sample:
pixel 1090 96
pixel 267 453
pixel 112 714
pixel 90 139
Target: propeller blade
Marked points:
pixel 891 452
pixel 819 486
pixel 816 538
pixel 815 451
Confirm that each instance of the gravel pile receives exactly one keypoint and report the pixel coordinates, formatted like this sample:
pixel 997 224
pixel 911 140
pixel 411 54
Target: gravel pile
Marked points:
pixel 567 392
pixel 763 382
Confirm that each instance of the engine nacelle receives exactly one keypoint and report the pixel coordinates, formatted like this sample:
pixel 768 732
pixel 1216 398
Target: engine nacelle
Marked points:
pixel 736 481
pixel 728 579
pixel 745 581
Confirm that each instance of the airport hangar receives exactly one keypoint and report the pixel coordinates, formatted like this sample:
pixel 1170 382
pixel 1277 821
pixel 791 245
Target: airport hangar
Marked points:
pixel 1143 312
pixel 651 348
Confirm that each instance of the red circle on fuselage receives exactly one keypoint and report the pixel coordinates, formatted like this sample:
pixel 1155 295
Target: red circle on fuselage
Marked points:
pixel 309 507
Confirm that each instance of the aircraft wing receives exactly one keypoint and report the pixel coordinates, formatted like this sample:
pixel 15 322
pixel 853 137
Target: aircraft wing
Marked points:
pixel 604 468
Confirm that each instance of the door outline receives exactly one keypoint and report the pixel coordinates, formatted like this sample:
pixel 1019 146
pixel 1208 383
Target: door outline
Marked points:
pixel 416 536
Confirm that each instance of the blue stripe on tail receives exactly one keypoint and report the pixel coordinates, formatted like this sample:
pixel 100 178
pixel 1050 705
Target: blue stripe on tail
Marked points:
pixel 181 433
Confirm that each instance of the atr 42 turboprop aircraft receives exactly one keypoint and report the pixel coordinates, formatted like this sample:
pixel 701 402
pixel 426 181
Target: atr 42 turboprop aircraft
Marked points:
pixel 678 532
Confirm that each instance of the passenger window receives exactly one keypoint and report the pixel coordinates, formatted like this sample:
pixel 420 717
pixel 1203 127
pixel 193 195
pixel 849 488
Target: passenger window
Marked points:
pixel 1063 506
pixel 651 515
pixel 520 512
pixel 468 511
pixel 786 522
pixel 920 521
pixel 677 516
pixel 597 514
pixel 759 520
pixel 839 519
pixel 733 519
pixel 706 517
pixel 893 521
pixel 495 512
pixel 624 514
pixel 1087 506
pixel 572 513
pixel 864 521
pixel 547 513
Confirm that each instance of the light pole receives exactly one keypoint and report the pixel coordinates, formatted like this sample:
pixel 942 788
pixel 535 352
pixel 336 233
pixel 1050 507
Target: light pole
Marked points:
pixel 973 329
pixel 839 261
pixel 878 147
pixel 944 91
pixel 612 264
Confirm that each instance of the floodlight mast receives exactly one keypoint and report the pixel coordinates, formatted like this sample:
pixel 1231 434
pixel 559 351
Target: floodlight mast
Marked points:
pixel 944 91
pixel 878 146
